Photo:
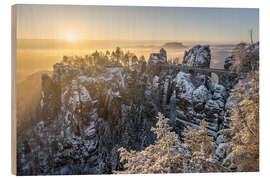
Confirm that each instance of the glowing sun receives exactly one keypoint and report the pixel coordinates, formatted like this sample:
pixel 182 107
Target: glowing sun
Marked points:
pixel 72 37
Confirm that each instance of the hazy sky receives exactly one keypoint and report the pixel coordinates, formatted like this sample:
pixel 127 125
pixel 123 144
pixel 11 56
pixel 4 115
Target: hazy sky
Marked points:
pixel 137 23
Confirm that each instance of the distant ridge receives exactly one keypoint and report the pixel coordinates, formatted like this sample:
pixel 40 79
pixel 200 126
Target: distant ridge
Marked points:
pixel 175 45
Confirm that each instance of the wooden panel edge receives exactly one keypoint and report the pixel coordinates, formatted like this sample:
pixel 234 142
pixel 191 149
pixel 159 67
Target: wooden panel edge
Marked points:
pixel 13 90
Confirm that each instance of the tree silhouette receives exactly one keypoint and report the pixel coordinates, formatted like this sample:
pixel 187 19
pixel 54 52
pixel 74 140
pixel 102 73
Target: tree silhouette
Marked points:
pixel 251 35
pixel 118 53
pixel 96 56
pixel 142 58
pixel 134 59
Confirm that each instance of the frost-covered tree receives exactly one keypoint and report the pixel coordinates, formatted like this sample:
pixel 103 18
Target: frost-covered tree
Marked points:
pixel 169 155
pixel 201 148
pixel 164 156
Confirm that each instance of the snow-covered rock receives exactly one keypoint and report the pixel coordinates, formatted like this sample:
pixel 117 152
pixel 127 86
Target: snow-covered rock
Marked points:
pixel 160 57
pixel 199 97
pixel 198 56
pixel 221 150
pixel 184 89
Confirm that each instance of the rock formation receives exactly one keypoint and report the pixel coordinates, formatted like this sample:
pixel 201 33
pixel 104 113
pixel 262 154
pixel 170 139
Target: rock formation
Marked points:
pixel 160 57
pixel 88 113
pixel 198 56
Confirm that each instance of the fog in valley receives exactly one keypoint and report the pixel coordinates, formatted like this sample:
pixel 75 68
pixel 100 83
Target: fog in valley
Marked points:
pixel 35 56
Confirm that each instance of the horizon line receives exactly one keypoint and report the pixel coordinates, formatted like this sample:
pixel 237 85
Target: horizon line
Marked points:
pixel 168 40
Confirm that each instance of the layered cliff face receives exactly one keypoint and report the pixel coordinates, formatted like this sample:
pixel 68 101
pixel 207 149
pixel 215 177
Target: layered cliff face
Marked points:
pixel 88 113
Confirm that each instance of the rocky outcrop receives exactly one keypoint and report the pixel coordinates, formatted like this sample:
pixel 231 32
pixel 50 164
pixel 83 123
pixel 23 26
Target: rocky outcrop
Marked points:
pixel 49 98
pixel 198 56
pixel 196 103
pixel 90 117
pixel 160 57
pixel 93 111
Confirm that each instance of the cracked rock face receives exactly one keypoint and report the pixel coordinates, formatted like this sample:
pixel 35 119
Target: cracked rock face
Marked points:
pixel 87 114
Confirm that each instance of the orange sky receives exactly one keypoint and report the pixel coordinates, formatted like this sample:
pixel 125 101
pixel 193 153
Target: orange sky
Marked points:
pixel 136 23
